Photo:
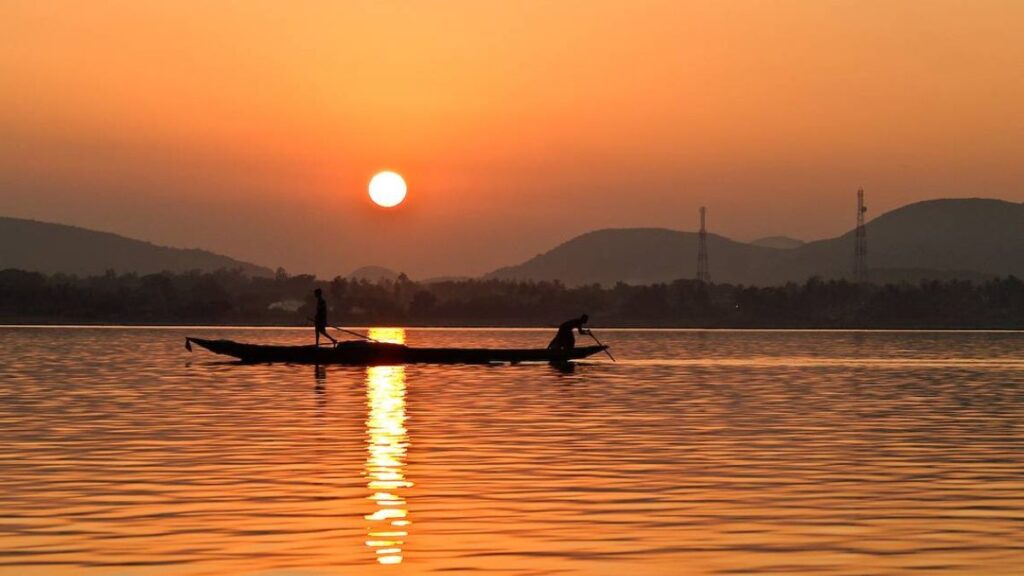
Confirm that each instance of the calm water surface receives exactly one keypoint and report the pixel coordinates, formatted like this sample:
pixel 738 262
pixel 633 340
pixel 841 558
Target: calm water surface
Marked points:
pixel 696 453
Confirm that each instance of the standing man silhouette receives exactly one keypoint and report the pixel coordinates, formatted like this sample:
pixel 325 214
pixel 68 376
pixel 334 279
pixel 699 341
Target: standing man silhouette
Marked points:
pixel 320 321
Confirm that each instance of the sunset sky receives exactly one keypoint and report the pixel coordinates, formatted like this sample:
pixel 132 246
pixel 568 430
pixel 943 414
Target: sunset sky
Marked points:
pixel 252 128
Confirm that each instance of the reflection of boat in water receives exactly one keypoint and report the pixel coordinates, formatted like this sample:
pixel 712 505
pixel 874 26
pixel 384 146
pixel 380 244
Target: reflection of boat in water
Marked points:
pixel 365 353
pixel 387 441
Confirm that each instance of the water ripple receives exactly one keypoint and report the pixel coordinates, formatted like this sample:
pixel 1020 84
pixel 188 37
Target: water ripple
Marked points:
pixel 698 452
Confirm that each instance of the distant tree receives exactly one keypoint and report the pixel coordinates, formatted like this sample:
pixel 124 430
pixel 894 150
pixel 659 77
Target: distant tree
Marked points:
pixel 230 296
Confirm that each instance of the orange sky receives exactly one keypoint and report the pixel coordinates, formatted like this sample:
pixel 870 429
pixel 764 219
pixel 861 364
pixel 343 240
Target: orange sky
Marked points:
pixel 251 128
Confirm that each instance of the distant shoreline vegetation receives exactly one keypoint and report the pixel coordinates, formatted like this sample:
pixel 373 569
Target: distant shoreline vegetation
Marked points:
pixel 231 297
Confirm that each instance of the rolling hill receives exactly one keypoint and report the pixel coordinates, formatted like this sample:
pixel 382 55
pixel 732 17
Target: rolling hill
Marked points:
pixel 957 238
pixel 639 256
pixel 56 248
pixel 783 242
pixel 969 235
pixel 373 274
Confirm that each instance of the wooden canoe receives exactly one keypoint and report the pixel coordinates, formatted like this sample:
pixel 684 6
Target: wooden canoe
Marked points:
pixel 364 353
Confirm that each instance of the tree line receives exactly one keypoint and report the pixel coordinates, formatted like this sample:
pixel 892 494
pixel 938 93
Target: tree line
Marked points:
pixel 231 297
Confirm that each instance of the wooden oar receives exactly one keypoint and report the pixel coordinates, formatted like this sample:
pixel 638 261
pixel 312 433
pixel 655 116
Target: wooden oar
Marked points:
pixel 363 336
pixel 599 344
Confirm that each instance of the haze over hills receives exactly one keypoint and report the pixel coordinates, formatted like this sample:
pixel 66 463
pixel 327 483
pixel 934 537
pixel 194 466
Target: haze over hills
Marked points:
pixel 965 238
pixel 56 248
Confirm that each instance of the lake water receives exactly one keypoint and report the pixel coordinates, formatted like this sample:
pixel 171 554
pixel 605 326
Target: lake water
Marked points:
pixel 719 452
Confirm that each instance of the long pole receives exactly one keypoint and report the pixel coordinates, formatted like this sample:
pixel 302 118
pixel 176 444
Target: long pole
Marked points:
pixel 599 344
pixel 363 336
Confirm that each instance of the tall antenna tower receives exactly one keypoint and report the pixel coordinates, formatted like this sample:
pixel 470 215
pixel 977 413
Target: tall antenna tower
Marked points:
pixel 860 249
pixel 703 274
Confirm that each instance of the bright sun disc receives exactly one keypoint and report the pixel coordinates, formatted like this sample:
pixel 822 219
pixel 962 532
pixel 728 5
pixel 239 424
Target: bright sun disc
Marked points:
pixel 387 189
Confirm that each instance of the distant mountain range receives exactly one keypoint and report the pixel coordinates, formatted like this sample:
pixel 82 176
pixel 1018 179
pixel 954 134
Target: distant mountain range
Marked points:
pixel 938 239
pixel 56 248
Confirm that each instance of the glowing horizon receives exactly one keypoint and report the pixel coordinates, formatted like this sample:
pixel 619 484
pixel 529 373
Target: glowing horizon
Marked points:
pixel 252 130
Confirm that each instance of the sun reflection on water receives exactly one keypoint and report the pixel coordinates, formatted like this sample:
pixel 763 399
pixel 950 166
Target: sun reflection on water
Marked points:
pixel 387 442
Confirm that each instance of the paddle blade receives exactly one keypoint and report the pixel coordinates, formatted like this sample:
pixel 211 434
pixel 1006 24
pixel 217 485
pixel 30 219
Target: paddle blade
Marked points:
pixel 188 344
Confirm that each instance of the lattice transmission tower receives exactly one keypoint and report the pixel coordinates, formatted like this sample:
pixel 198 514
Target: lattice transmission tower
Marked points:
pixel 703 273
pixel 860 249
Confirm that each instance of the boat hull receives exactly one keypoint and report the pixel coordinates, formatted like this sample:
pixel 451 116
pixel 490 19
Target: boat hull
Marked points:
pixel 378 353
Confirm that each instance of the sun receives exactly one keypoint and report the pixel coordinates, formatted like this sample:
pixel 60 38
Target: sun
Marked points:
pixel 387 189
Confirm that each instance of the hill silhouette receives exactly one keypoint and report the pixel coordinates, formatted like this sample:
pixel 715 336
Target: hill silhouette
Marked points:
pixel 57 248
pixel 936 239
pixel 783 242
pixel 971 235
pixel 639 256
pixel 373 274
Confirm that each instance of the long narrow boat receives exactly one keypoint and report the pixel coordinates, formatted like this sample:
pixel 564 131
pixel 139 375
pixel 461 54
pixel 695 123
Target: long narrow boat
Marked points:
pixel 363 353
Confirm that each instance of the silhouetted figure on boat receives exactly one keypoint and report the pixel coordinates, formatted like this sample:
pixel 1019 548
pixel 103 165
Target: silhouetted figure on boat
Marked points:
pixel 320 321
pixel 565 340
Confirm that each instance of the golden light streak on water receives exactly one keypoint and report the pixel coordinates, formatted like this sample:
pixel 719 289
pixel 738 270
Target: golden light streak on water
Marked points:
pixel 387 442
